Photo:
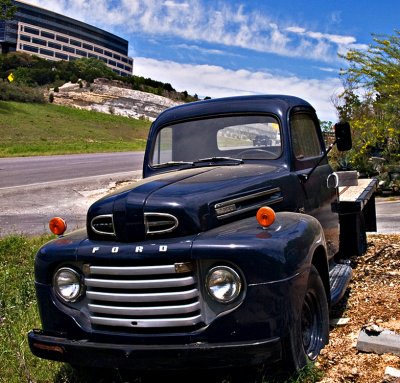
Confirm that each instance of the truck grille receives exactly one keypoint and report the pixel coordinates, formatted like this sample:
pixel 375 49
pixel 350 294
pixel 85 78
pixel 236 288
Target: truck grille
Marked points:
pixel 143 297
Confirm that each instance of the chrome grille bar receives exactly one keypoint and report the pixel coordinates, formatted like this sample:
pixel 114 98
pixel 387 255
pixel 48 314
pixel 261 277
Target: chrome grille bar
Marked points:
pixel 142 284
pixel 137 270
pixel 137 298
pixel 154 310
pixel 147 323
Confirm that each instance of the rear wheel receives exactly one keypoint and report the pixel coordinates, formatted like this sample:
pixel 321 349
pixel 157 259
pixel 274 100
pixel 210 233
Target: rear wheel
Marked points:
pixel 310 333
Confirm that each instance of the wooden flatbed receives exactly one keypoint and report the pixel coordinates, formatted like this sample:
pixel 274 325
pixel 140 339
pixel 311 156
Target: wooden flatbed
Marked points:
pixel 356 208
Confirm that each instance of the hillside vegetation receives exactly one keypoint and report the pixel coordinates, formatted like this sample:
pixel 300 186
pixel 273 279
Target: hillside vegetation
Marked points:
pixel 30 72
pixel 42 129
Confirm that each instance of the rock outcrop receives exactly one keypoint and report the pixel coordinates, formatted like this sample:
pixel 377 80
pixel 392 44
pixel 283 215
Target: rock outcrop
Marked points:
pixel 112 97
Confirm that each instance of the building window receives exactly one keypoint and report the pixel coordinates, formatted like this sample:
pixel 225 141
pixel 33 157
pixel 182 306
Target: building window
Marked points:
pixel 129 69
pixel 47 34
pixel 25 38
pixel 93 56
pixel 107 53
pixel 87 46
pixel 39 41
pixel 53 45
pixel 61 56
pixel 68 49
pixel 75 42
pixel 119 65
pixel 30 48
pixel 81 53
pixel 33 31
pixel 46 52
pixel 62 39
pixel 117 57
pixel 98 50
pixel 111 62
pixel 124 59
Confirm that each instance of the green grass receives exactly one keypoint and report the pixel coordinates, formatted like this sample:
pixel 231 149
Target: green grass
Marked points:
pixel 44 129
pixel 18 312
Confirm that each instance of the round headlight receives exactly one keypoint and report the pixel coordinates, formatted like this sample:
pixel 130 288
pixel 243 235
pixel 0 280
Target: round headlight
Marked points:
pixel 223 284
pixel 67 284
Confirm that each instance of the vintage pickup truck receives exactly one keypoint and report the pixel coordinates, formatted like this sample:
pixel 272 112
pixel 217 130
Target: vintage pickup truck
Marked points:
pixel 226 253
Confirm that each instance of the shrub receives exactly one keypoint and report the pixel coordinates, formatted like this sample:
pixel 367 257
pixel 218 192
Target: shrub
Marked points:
pixel 21 93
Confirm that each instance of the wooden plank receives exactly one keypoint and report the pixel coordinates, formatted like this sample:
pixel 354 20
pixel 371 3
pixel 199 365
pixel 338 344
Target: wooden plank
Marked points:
pixel 360 193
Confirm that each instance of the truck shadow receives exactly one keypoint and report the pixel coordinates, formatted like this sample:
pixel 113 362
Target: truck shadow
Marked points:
pixel 66 374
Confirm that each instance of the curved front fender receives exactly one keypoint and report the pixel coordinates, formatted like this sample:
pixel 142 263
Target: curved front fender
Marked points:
pixel 280 251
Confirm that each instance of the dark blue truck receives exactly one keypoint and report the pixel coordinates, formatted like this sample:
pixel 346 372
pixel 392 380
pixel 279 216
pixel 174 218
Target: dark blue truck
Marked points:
pixel 225 254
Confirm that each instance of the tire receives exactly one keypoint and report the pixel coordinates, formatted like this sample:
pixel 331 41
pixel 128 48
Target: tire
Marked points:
pixel 310 333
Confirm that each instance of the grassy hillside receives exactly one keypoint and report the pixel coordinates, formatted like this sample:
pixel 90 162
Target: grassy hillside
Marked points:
pixel 36 129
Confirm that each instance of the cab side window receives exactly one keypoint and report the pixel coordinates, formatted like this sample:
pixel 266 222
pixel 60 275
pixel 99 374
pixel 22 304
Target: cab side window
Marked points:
pixel 305 140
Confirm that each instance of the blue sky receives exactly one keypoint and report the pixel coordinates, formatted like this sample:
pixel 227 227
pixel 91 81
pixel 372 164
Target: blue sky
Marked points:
pixel 224 48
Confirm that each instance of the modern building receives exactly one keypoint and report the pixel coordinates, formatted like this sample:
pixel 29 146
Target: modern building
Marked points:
pixel 53 36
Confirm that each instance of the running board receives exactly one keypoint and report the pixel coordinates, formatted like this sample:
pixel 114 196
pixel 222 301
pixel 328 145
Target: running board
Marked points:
pixel 339 278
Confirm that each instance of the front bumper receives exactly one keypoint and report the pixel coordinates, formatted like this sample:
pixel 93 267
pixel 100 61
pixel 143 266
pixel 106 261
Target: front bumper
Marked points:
pixel 154 357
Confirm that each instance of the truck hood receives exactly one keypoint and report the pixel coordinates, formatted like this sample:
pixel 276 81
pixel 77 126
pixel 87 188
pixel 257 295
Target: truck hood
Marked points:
pixel 186 202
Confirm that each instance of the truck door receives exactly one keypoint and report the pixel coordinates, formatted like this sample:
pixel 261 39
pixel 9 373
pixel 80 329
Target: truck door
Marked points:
pixel 307 149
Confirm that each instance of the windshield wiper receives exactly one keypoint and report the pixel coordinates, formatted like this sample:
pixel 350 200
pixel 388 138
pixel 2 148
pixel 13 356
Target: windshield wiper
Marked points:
pixel 213 160
pixel 172 163
pixel 201 161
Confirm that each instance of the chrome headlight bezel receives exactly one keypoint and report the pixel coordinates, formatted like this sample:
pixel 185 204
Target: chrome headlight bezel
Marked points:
pixel 67 284
pixel 223 284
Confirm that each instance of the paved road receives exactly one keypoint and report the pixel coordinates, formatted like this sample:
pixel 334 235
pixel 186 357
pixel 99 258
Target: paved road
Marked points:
pixel 388 215
pixel 33 190
pixel 34 170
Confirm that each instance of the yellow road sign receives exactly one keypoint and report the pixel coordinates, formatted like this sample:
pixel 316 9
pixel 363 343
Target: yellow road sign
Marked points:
pixel 10 77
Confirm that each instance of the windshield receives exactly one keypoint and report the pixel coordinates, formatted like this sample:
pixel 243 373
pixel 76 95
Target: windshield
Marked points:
pixel 227 137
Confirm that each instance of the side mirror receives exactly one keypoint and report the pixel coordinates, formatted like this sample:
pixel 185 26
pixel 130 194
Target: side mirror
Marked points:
pixel 343 136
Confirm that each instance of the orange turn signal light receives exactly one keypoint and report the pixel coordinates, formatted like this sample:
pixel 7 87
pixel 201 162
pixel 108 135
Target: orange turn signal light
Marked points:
pixel 265 216
pixel 57 226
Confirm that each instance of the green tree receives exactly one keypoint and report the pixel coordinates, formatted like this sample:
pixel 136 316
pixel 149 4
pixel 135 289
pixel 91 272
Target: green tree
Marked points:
pixel 90 69
pixel 371 99
pixel 7 9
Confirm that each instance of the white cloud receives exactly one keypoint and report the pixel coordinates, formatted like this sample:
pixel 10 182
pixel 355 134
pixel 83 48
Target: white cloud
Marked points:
pixel 220 23
pixel 295 29
pixel 205 51
pixel 329 70
pixel 173 4
pixel 215 81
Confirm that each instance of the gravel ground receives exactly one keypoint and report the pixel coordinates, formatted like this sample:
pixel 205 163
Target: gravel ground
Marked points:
pixel 373 298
